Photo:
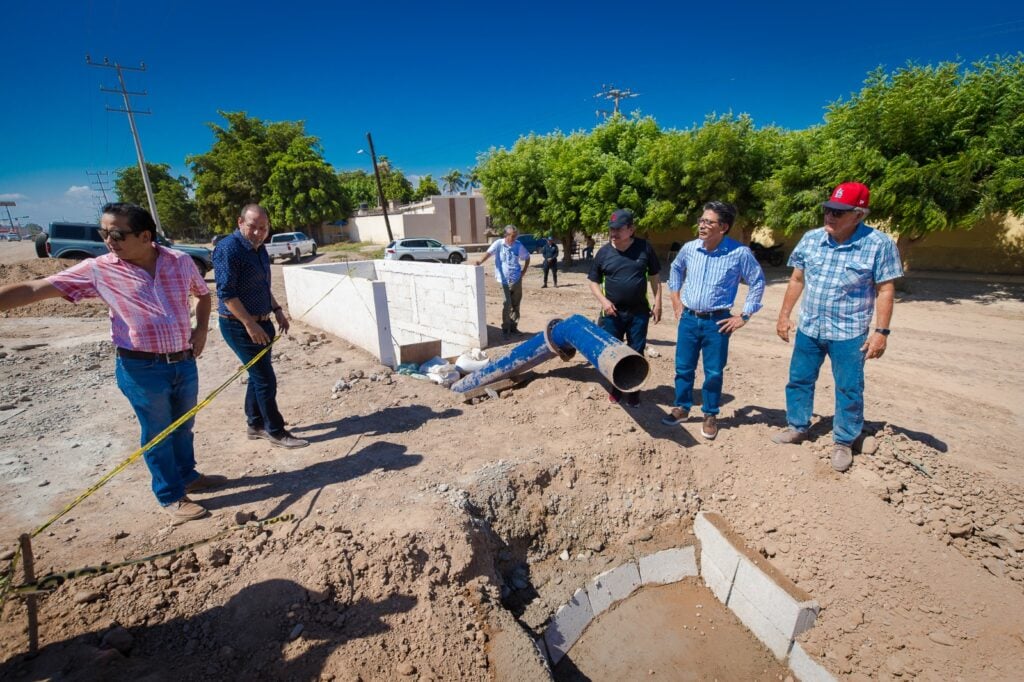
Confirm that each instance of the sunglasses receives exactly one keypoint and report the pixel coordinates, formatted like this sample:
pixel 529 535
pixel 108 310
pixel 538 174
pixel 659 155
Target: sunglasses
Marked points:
pixel 116 235
pixel 705 221
pixel 838 212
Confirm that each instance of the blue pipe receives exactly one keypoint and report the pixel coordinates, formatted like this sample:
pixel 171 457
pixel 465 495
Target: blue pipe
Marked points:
pixel 618 363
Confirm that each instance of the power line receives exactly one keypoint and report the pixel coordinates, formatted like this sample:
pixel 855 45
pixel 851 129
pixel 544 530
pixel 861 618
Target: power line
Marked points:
pixel 97 185
pixel 616 95
pixel 125 93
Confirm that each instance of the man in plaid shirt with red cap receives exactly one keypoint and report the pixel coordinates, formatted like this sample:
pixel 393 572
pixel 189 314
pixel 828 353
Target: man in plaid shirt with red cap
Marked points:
pixel 848 270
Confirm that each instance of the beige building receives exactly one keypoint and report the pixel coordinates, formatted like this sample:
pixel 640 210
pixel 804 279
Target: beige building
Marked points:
pixel 451 220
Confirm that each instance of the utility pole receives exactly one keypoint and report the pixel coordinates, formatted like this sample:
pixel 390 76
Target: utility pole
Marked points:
pixel 7 206
pixel 610 92
pixel 123 91
pixel 98 184
pixel 380 189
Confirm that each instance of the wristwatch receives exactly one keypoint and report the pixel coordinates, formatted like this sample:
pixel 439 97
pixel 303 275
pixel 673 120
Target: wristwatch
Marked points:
pixel 882 331
pixel 745 317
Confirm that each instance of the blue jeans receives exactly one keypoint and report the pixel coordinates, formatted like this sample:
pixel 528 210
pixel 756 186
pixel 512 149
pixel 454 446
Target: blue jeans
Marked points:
pixel 847 370
pixel 630 327
pixel 261 392
pixel 160 392
pixel 697 337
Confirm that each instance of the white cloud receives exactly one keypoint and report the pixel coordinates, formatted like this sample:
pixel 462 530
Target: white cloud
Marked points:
pixel 13 197
pixel 76 191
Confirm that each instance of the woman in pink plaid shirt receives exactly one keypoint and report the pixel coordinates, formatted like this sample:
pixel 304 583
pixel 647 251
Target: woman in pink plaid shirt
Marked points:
pixel 147 288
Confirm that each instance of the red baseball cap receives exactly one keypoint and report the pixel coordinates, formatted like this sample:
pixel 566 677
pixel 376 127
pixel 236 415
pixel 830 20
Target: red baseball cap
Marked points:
pixel 848 195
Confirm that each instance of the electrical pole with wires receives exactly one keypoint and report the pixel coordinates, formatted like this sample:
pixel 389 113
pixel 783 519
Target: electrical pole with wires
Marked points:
pixel 616 95
pixel 124 92
pixel 97 185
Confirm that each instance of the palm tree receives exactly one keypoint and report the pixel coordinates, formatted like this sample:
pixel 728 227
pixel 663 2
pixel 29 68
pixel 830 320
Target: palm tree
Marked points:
pixel 472 180
pixel 452 182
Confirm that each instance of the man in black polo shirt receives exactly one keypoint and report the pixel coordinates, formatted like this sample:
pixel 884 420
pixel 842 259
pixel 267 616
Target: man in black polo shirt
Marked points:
pixel 241 267
pixel 618 278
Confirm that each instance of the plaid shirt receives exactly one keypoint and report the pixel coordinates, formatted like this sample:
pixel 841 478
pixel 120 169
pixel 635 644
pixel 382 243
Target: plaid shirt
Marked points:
pixel 146 313
pixel 713 277
pixel 840 280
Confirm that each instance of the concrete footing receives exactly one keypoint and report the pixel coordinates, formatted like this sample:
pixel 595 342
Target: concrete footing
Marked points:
pixel 768 603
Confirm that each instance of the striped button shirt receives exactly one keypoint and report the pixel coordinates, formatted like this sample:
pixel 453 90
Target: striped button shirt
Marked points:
pixel 840 279
pixel 149 314
pixel 712 278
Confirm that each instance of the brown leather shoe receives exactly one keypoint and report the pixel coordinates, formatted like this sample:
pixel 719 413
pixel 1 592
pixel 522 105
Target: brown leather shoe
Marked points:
pixel 709 429
pixel 677 416
pixel 206 482
pixel 185 510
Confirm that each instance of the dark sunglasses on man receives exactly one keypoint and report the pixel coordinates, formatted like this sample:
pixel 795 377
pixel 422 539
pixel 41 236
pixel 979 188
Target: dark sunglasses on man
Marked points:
pixel 116 235
pixel 838 212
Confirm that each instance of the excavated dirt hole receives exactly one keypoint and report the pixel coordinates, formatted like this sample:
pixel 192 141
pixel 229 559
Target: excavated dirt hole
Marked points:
pixel 671 632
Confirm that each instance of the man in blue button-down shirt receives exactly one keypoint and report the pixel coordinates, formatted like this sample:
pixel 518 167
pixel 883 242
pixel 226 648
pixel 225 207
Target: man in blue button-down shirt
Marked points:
pixel 848 269
pixel 246 305
pixel 711 267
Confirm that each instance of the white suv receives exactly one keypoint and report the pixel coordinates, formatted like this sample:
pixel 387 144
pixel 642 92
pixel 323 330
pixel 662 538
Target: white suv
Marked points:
pixel 418 248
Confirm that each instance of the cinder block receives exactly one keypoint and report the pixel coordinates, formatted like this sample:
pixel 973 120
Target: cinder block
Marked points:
pixel 806 668
pixel 773 638
pixel 786 609
pixel 668 566
pixel 713 544
pixel 611 586
pixel 568 623
pixel 717 580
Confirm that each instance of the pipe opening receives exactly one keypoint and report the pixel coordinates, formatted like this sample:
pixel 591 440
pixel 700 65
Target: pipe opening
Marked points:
pixel 630 372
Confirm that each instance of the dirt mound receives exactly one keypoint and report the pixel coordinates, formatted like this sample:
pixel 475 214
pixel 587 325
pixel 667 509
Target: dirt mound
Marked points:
pixel 57 307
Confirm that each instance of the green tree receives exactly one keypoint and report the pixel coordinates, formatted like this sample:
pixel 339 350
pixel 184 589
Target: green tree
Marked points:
pixel 452 182
pixel 723 159
pixel 238 169
pixel 176 210
pixel 303 191
pixel 427 188
pixel 359 186
pixel 514 181
pixel 941 147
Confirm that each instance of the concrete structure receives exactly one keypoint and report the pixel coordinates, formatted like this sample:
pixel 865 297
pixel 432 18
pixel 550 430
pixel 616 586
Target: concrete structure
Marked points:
pixel 568 623
pixel 450 220
pixel 612 586
pixel 668 566
pixel 381 305
pixel 767 602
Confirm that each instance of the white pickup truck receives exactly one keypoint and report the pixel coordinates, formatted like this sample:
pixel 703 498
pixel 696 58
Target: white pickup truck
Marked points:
pixel 291 245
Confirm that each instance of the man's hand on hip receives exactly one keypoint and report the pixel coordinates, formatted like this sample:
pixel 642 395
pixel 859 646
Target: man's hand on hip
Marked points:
pixel 875 345
pixel 256 333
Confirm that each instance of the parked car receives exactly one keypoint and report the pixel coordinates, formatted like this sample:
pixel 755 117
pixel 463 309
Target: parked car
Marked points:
pixel 532 242
pixel 291 245
pixel 12 237
pixel 417 248
pixel 82 240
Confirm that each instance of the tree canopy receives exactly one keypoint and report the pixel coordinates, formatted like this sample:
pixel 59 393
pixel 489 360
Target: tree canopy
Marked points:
pixel 426 188
pixel 176 210
pixel 275 164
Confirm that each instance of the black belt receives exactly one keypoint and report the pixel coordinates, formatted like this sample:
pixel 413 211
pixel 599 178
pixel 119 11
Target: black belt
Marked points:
pixel 710 315
pixel 160 357
pixel 258 318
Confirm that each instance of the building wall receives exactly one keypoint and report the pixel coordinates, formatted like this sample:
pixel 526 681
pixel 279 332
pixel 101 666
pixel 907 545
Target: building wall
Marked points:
pixel 379 305
pixel 450 220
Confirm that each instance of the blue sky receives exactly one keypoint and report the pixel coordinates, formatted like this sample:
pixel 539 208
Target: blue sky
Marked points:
pixel 436 83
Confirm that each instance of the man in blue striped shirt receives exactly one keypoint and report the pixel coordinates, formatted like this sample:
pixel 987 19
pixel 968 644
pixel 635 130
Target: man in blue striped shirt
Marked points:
pixel 845 270
pixel 711 267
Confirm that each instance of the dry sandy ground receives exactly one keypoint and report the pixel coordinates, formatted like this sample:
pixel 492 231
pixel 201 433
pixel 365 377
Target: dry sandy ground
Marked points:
pixel 428 531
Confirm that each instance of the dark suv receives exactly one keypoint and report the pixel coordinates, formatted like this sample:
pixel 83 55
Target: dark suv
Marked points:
pixel 82 240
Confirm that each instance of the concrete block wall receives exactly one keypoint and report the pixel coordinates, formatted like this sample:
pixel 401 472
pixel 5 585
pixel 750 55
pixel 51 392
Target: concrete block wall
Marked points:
pixel 430 301
pixel 766 602
pixel 612 586
pixel 343 299
pixel 379 305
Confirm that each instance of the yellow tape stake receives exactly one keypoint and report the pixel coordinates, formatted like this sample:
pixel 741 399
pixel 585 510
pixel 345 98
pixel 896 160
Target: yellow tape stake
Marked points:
pixel 8 578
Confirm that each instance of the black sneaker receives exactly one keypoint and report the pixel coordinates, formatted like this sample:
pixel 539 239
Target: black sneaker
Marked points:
pixel 286 440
